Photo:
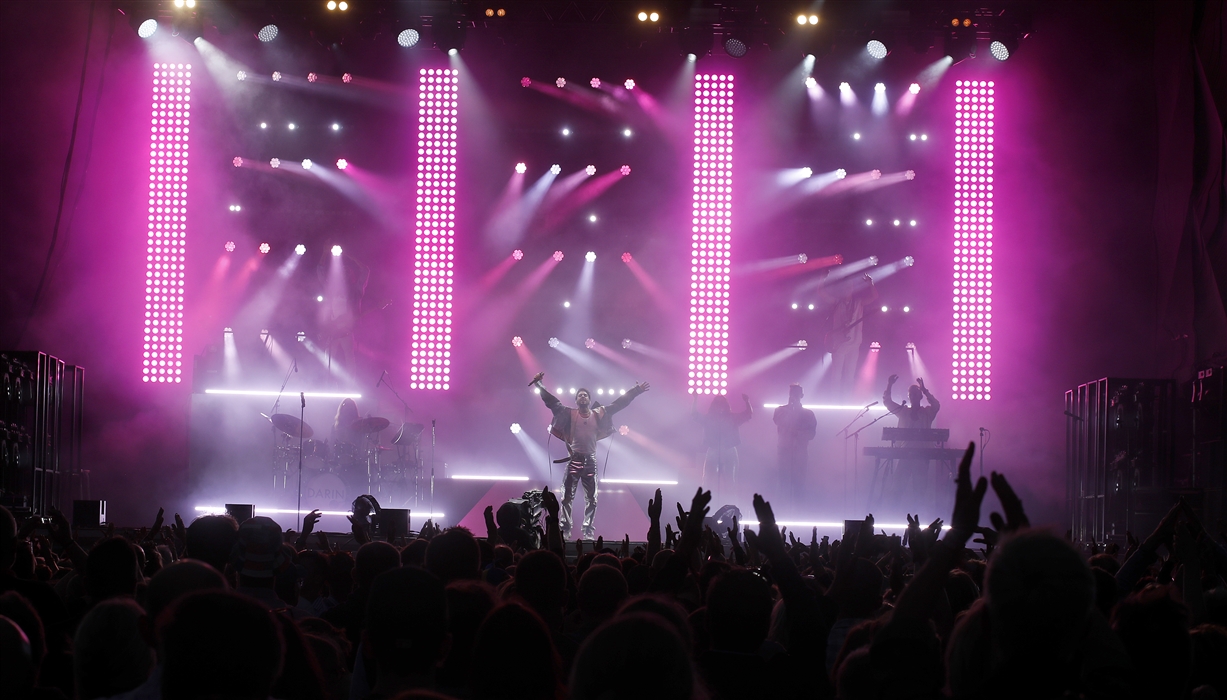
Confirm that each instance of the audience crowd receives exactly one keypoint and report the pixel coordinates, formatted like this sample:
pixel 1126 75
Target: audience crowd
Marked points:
pixel 221 609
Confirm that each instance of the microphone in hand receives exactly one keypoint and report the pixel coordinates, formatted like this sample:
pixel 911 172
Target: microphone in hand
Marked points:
pixel 536 378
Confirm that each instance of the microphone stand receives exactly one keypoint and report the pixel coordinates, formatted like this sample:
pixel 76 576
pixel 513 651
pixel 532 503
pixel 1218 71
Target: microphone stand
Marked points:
pixel 856 441
pixel 392 389
pixel 302 415
pixel 844 432
pixel 272 412
pixel 981 453
pixel 432 469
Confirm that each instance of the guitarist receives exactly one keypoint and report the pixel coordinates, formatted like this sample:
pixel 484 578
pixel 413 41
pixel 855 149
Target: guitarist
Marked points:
pixel 846 333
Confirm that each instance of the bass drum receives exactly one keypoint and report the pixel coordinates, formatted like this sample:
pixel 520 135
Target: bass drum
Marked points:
pixel 328 491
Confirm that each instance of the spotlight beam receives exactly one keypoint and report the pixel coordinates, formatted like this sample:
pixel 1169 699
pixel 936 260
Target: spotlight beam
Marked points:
pixel 649 285
pixel 583 195
pixel 762 364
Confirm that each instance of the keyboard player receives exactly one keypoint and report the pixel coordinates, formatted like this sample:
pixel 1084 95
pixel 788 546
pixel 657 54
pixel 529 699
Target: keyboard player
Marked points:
pixel 912 475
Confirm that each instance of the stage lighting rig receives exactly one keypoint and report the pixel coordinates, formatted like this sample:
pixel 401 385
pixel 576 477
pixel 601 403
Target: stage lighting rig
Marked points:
pixel 450 29
pixel 1002 45
pixel 696 40
pixel 877 49
pixel 737 44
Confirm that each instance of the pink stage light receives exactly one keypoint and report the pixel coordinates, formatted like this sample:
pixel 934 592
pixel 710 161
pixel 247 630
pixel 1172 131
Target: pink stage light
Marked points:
pixel 626 257
pixel 167 231
pixel 525 82
pixel 347 78
pixel 561 82
pixel 558 256
pixel 711 234
pixel 521 168
pixel 629 84
pixel 431 348
pixel 342 164
pixel 276 76
pixel 265 248
pixel 517 341
pixel 973 240
pixel 230 246
pixel 595 82
pixel 275 162
pixel 914 88
pixel 238 162
pixel 312 77
pixel 517 254
pixel 591 170
pixel 590 343
pixel 625 170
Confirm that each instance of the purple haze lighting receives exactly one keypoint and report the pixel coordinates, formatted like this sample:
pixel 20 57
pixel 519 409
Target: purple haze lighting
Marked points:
pixel 590 343
pixel 517 254
pixel 973 239
pixel 436 219
pixel 711 229
pixel 230 246
pixel 167 232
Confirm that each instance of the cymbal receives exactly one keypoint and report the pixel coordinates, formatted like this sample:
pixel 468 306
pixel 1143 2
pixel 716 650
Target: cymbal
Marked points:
pixel 371 424
pixel 290 425
pixel 408 433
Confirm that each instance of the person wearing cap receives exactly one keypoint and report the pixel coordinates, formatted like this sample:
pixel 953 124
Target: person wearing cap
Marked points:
pixel 580 428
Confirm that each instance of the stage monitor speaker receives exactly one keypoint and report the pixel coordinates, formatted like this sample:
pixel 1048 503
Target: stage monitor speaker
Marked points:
pixel 88 513
pixel 394 523
pixel 241 512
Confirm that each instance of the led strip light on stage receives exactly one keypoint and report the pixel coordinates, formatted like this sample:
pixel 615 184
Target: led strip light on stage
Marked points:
pixel 165 252
pixel 973 240
pixel 711 234
pixel 430 361
pixel 270 392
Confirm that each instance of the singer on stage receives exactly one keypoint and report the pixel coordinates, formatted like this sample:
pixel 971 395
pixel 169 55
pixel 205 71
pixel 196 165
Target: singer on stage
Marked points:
pixel 581 427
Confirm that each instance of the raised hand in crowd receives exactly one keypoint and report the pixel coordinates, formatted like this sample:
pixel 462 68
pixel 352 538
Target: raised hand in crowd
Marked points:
pixel 1015 518
pixel 308 526
pixel 654 507
pixel 157 526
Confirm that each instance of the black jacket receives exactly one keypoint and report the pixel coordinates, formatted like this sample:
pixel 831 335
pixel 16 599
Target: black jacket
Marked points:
pixel 560 427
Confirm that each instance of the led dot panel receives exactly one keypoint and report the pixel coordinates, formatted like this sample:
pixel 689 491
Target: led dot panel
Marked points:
pixel 711 234
pixel 164 255
pixel 431 348
pixel 973 240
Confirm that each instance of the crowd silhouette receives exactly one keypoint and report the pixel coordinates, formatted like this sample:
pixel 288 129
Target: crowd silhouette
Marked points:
pixel 221 609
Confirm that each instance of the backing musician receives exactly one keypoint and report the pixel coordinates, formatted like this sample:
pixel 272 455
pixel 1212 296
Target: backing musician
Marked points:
pixel 913 473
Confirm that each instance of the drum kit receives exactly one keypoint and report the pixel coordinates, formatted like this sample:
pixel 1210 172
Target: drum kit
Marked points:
pixel 334 473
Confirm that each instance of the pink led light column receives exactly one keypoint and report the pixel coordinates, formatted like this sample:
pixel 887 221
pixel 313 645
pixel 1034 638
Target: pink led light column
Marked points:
pixel 430 366
pixel 164 261
pixel 711 234
pixel 973 240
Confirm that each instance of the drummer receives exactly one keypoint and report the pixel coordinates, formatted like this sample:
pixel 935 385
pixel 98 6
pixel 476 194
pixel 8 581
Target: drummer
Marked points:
pixel 343 426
